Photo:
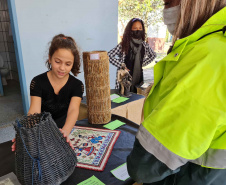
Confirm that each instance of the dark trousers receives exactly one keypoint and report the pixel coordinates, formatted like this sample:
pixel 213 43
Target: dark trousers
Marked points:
pixel 192 174
pixel 144 167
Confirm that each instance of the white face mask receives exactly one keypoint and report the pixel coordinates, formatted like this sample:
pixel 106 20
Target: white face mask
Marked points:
pixel 170 16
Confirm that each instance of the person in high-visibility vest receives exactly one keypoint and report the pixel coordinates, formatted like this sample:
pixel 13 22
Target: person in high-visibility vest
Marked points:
pixel 182 140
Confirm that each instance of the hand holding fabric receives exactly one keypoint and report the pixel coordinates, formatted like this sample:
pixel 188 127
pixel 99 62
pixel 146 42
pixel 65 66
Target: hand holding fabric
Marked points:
pixel 66 135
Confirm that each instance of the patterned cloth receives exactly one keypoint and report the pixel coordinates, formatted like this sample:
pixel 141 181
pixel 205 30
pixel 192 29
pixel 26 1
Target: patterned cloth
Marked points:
pixel 93 146
pixel 116 57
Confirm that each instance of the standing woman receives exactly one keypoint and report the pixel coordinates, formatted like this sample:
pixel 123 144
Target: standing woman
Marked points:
pixel 182 140
pixel 133 51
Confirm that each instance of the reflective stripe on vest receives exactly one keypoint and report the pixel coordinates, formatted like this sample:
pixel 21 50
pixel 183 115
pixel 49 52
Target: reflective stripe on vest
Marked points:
pixel 212 158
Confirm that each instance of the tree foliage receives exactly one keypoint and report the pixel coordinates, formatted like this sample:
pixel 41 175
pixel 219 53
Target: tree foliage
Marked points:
pixel 150 11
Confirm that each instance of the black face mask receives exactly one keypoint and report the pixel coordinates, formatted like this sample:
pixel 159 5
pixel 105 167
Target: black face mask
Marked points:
pixel 137 34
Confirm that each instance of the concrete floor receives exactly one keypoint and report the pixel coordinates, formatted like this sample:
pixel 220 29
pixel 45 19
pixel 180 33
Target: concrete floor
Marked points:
pixel 10 108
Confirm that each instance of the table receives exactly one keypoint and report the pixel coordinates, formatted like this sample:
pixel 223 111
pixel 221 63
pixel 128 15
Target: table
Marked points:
pixel 121 150
pixel 130 109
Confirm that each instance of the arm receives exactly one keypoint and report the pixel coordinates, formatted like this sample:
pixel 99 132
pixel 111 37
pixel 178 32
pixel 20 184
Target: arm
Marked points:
pixel 36 96
pixel 72 115
pixel 112 56
pixel 35 106
pixel 150 55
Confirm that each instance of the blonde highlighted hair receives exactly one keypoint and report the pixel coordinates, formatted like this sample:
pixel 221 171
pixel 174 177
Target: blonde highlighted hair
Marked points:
pixel 193 14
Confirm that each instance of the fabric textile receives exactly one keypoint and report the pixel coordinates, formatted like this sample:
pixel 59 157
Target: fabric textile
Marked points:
pixel 136 46
pixel 120 151
pixel 130 65
pixel 117 57
pixel 93 146
pixel 57 105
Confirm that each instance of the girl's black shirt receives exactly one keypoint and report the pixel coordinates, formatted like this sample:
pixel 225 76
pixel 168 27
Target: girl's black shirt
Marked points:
pixel 57 105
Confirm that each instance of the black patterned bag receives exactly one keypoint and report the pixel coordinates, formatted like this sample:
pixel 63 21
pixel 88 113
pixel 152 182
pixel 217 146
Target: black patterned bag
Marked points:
pixel 42 154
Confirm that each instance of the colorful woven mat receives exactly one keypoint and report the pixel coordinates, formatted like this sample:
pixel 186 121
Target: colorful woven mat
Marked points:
pixel 93 146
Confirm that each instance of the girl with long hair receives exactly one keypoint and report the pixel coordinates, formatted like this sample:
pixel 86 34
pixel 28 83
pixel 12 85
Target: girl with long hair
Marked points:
pixel 57 91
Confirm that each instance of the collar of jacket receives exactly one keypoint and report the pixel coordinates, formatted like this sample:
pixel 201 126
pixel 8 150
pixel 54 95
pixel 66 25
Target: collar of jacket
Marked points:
pixel 216 22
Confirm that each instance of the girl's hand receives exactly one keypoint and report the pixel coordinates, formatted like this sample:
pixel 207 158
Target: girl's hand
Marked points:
pixel 14 145
pixel 66 135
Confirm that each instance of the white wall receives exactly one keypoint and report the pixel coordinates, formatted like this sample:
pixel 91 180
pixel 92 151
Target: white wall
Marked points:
pixel 92 23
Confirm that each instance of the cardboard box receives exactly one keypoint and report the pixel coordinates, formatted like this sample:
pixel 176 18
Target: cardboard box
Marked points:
pixel 131 110
pixel 145 88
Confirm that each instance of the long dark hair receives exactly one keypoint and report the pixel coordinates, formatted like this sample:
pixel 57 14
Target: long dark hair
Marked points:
pixel 193 14
pixel 65 42
pixel 127 35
